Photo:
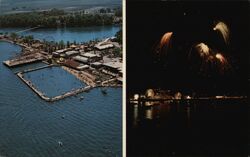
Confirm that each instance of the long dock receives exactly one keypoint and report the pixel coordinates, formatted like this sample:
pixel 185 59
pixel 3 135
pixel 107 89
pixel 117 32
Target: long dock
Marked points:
pixel 35 69
pixel 24 60
pixel 28 29
pixel 46 98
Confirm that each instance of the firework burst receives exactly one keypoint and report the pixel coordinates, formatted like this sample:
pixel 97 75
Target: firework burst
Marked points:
pixel 164 43
pixel 224 31
pixel 222 62
pixel 202 49
pixel 208 58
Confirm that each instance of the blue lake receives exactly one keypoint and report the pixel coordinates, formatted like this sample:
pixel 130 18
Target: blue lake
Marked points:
pixel 78 34
pixel 32 127
pixel 53 81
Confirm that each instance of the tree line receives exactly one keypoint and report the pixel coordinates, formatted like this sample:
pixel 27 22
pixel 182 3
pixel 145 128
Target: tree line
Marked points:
pixel 55 18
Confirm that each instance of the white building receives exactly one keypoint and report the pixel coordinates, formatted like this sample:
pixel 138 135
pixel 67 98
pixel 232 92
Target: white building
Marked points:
pixel 71 53
pixel 81 59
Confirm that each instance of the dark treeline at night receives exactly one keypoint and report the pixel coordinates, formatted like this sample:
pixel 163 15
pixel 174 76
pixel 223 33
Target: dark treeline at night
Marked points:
pixel 57 18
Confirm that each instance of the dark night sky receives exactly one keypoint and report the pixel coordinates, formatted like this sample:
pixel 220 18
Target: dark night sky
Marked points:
pixel 148 21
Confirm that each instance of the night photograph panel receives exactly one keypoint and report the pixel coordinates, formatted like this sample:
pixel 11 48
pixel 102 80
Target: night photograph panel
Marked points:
pixel 187 78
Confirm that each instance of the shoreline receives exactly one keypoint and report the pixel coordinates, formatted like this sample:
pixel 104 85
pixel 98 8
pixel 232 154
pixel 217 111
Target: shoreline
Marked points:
pixel 116 25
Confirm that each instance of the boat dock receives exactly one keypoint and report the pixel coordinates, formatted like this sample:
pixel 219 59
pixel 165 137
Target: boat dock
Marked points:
pixel 24 60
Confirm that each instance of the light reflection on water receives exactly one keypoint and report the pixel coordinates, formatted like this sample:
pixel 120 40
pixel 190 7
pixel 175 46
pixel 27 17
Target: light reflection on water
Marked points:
pixel 187 128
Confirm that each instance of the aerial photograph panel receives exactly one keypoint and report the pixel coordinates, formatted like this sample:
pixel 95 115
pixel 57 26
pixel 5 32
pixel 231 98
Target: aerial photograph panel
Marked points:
pixel 61 78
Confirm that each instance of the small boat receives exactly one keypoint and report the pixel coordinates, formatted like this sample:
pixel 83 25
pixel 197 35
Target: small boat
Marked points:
pixel 60 143
pixel 81 98
pixel 63 116
pixel 104 91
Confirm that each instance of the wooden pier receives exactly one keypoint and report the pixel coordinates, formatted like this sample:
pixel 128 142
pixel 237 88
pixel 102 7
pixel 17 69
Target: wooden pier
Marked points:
pixel 24 60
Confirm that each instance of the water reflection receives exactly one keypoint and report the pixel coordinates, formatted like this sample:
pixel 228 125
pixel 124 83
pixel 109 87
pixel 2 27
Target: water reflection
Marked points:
pixel 149 114
pixel 150 110
pixel 190 127
pixel 159 110
pixel 135 117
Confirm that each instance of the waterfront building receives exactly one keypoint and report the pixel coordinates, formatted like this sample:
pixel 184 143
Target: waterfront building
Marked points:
pixel 150 93
pixel 71 63
pixel 91 57
pixel 82 67
pixel 104 46
pixel 71 53
pixel 96 65
pixel 81 59
pixel 114 68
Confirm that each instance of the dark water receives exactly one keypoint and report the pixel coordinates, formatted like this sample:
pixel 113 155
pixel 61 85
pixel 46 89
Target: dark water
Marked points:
pixel 198 128
pixel 32 127
pixel 78 34
pixel 28 66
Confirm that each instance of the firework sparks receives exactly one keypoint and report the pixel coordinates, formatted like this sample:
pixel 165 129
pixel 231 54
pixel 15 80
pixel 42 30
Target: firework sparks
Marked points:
pixel 202 49
pixel 165 42
pixel 209 58
pixel 221 58
pixel 223 63
pixel 224 31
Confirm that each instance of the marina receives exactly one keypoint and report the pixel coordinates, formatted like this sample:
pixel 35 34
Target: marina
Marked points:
pixel 90 85
pixel 44 97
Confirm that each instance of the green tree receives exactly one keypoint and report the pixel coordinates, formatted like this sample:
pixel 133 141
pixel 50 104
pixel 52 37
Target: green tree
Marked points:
pixel 68 44
pixel 13 36
pixel 117 52
pixel 118 36
pixel 61 44
pixel 28 39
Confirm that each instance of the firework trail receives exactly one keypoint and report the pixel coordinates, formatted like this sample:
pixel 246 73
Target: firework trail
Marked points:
pixel 164 44
pixel 224 31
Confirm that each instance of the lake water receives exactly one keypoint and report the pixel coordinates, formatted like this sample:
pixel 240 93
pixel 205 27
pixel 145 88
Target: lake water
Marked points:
pixel 78 34
pixel 53 81
pixel 30 126
pixel 195 128
pixel 28 66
